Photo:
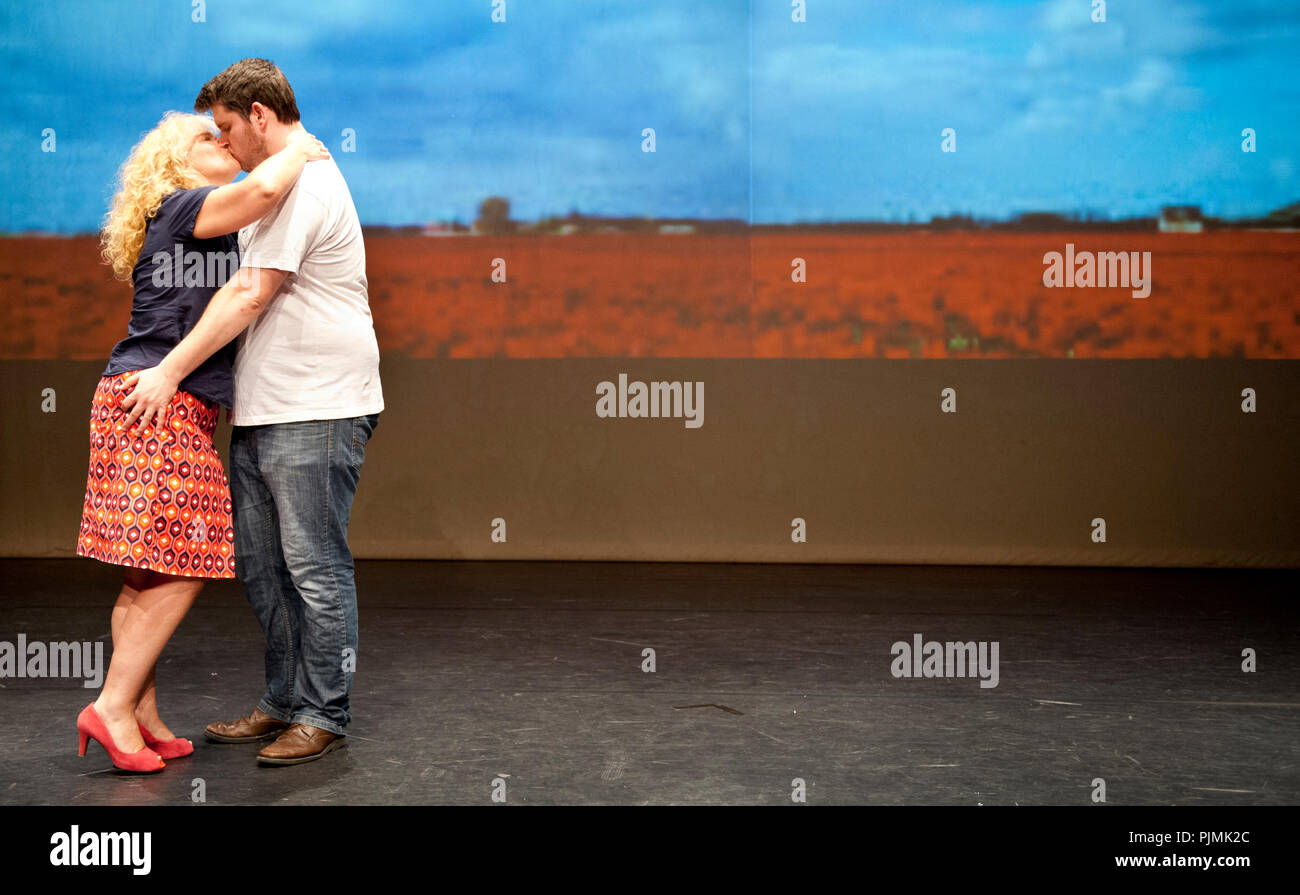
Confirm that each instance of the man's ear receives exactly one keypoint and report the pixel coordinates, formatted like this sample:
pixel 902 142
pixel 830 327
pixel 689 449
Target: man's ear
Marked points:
pixel 257 114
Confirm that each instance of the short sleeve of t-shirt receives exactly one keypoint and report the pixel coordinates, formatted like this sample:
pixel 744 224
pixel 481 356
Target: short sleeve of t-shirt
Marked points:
pixel 178 211
pixel 282 238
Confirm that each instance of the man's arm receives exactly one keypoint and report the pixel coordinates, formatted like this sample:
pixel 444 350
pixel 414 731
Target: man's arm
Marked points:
pixel 229 312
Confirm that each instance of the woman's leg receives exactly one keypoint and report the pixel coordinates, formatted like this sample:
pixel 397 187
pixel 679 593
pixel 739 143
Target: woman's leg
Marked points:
pixel 146 708
pixel 147 612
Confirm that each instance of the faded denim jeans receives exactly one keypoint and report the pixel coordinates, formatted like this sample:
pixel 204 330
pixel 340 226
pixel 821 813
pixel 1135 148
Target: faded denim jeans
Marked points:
pixel 292 486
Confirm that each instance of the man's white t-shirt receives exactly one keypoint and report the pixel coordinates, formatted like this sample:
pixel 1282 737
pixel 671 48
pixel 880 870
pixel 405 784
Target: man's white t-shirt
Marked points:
pixel 311 354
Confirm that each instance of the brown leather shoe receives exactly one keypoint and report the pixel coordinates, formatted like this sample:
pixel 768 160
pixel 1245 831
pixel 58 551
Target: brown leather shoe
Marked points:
pixel 251 729
pixel 301 742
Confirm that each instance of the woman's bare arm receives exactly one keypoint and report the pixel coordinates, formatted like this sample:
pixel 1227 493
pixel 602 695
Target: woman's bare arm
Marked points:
pixel 235 205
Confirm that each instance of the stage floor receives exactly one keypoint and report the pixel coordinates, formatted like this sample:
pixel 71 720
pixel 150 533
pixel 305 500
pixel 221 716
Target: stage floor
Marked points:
pixel 526 680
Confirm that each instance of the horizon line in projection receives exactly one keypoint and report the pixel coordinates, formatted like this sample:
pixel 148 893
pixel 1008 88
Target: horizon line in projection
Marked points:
pixel 494 219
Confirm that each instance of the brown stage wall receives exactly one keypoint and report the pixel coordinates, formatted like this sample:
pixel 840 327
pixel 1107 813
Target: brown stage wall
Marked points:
pixel 858 448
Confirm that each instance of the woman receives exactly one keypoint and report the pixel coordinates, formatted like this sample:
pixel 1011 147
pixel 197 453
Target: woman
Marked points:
pixel 157 498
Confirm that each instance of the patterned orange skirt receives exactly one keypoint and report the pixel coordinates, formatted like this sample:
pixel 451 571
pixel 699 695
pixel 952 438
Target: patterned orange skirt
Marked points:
pixel 159 499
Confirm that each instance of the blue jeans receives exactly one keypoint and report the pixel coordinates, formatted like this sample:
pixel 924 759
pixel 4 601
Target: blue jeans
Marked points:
pixel 292 486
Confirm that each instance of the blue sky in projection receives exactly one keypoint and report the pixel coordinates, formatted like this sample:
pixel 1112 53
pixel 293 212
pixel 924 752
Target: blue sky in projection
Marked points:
pixel 756 117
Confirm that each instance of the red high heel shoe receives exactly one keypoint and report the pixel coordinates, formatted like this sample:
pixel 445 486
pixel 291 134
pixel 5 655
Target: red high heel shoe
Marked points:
pixel 177 747
pixel 91 726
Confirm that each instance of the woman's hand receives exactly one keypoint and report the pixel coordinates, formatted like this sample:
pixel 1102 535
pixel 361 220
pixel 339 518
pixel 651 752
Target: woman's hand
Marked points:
pixel 148 401
pixel 307 144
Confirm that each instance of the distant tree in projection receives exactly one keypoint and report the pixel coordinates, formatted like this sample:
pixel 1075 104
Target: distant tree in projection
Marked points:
pixel 494 216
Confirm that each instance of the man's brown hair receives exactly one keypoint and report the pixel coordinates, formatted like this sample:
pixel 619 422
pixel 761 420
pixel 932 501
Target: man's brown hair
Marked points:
pixel 246 82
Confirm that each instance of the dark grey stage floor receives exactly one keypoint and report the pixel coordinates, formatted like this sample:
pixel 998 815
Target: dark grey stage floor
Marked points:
pixel 530 673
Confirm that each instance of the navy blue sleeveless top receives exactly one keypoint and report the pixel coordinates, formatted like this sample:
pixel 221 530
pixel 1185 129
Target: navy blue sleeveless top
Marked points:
pixel 175 277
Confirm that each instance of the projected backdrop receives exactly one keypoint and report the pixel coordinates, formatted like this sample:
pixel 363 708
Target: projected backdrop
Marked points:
pixel 732 179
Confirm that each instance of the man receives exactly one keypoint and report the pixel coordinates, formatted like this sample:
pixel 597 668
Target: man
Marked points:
pixel 307 399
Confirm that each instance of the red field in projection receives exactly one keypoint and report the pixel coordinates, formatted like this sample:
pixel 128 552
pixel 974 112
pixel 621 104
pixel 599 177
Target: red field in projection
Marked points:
pixel 914 294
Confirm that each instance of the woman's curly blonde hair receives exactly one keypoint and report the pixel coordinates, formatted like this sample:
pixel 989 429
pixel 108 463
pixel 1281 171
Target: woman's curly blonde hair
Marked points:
pixel 157 166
